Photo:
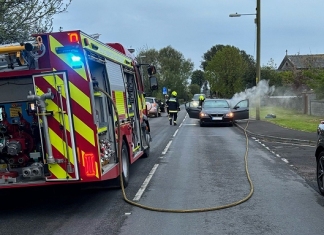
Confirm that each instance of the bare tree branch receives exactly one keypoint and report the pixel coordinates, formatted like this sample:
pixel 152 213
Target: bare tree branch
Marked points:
pixel 21 18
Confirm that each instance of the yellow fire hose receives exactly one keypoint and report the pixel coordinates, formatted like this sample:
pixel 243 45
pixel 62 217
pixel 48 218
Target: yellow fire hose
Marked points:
pixel 178 210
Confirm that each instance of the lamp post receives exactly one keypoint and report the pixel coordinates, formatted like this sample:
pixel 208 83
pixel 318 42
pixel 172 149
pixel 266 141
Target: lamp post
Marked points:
pixel 258 52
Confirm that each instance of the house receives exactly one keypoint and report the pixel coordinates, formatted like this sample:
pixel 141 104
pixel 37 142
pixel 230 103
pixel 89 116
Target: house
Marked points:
pixel 301 62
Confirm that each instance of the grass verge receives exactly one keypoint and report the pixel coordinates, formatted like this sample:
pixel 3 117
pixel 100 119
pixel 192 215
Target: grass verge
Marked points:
pixel 288 118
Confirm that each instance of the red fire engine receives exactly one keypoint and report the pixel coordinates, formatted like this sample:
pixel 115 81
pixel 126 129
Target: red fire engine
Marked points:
pixel 55 128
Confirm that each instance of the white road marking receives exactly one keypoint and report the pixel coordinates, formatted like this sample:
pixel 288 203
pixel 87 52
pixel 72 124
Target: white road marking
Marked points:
pixel 285 160
pixel 167 147
pixel 175 133
pixel 150 175
pixel 145 183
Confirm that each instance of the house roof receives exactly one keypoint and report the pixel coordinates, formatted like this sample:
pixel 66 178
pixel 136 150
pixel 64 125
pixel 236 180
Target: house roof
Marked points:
pixel 302 62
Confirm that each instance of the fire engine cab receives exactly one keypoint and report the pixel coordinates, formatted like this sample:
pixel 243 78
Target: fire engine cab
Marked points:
pixel 55 127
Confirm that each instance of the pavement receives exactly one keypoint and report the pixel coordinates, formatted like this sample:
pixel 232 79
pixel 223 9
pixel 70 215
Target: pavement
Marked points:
pixel 267 130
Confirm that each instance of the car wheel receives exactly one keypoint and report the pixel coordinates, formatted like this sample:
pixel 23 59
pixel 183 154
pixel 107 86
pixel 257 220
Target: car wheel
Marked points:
pixel 230 124
pixel 201 124
pixel 320 172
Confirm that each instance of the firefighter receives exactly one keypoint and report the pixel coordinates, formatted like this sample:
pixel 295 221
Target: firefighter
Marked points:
pixel 201 100
pixel 173 106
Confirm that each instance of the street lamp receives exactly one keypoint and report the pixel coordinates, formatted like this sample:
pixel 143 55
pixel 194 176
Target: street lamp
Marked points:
pixel 258 51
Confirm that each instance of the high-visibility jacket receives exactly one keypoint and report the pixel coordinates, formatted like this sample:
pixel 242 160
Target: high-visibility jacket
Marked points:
pixel 173 105
pixel 201 100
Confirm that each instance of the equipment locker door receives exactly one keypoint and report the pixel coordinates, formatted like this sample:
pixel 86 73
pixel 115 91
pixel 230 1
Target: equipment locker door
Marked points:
pixel 60 125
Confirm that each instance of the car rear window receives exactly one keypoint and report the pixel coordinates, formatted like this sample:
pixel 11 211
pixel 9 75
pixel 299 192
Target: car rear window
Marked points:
pixel 150 100
pixel 196 96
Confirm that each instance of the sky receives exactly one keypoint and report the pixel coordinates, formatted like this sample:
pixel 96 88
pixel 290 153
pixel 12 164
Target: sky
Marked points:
pixel 192 27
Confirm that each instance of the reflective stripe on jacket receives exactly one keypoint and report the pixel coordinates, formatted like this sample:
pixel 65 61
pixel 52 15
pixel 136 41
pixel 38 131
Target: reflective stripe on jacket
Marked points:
pixel 173 105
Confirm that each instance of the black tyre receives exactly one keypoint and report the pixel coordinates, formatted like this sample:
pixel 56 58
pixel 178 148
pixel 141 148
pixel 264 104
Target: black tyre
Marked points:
pixel 147 139
pixel 320 172
pixel 125 165
pixel 201 124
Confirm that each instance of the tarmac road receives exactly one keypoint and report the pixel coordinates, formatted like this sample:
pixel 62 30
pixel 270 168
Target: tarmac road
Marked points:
pixel 296 148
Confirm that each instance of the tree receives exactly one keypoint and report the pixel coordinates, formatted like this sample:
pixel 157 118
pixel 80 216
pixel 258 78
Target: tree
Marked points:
pixel 315 81
pixel 250 73
pixel 269 73
pixel 210 54
pixel 173 70
pixel 249 78
pixel 225 72
pixel 21 18
pixel 194 89
pixel 197 77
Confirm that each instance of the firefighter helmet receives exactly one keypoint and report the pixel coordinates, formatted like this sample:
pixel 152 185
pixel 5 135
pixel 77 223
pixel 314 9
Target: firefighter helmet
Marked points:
pixel 174 93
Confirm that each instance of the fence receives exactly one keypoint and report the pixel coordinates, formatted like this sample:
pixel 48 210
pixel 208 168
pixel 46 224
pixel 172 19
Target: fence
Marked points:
pixel 305 103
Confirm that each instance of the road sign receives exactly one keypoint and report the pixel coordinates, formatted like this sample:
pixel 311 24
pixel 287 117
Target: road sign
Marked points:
pixel 164 91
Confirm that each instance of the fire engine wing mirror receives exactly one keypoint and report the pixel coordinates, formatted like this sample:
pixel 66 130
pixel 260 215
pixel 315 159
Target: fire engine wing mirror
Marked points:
pixel 151 70
pixel 154 83
pixel 1 119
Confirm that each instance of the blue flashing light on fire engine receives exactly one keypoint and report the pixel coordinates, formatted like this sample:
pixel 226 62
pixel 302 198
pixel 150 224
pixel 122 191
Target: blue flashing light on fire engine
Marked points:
pixel 76 62
pixel 76 58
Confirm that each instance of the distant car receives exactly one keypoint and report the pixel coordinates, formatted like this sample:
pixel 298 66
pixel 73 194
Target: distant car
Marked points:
pixel 196 96
pixel 161 105
pixel 215 111
pixel 319 154
pixel 153 108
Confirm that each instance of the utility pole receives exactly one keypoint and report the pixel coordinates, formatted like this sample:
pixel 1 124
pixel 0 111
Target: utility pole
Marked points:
pixel 258 55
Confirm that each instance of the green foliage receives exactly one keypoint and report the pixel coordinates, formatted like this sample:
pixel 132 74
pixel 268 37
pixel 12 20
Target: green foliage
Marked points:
pixel 210 54
pixel 173 70
pixel 225 72
pixel 21 18
pixel 249 74
pixel 194 89
pixel 315 81
pixel 197 77
pixel 249 77
pixel 270 73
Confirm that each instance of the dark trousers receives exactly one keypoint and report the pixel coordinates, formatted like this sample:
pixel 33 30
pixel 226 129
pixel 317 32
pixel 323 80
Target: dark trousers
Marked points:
pixel 174 116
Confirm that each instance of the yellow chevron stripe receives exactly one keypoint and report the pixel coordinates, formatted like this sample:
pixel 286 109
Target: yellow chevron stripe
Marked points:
pixel 79 126
pixel 76 94
pixel 58 171
pixel 66 57
pixel 60 145
pixel 84 130
pixel 53 107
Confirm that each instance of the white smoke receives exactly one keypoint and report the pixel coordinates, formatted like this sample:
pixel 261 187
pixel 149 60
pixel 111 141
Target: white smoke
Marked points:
pixel 253 94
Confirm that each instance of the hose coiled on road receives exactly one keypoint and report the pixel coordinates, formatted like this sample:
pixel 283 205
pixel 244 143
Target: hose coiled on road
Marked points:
pixel 194 210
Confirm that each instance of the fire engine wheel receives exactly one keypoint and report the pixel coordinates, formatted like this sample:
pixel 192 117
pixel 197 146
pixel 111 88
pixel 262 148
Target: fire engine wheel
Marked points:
pixel 147 140
pixel 125 164
pixel 320 172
